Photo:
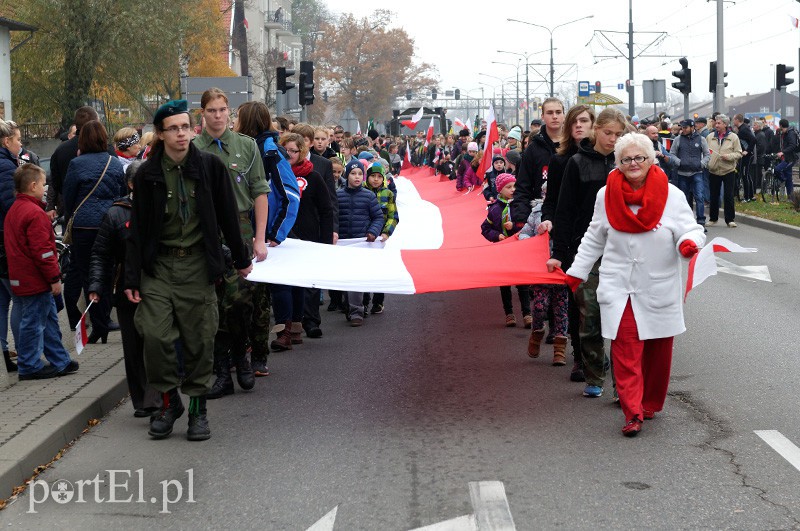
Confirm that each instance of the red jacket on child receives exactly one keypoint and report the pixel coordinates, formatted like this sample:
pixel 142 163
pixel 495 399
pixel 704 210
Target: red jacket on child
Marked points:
pixel 30 247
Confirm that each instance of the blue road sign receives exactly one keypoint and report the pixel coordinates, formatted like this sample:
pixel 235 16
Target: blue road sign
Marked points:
pixel 583 88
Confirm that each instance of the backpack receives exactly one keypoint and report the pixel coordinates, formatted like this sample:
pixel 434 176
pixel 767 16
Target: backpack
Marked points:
pixel 284 200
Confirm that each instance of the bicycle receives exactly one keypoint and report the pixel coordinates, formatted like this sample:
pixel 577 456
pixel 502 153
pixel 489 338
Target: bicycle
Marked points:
pixel 62 249
pixel 771 184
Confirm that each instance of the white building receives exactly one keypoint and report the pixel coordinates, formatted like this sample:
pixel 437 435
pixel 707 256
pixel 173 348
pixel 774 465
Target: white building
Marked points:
pixel 6 27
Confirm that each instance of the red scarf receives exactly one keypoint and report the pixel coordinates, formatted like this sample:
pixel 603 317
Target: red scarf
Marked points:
pixel 652 197
pixel 302 168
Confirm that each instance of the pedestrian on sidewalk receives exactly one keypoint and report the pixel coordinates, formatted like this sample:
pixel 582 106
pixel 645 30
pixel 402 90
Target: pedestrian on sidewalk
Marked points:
pixel 10 146
pixel 183 200
pixel 106 275
pixel 725 154
pixel 497 227
pixel 641 226
pixel 35 278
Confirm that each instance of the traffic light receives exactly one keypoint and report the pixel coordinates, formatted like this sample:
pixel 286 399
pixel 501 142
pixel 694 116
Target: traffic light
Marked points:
pixel 712 77
pixel 684 75
pixel 597 86
pixel 306 82
pixel 433 94
pixel 408 94
pixel 283 79
pixel 457 94
pixel 780 76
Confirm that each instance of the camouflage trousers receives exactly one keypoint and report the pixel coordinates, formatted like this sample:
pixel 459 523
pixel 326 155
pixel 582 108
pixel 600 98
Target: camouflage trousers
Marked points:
pixel 260 327
pixel 235 301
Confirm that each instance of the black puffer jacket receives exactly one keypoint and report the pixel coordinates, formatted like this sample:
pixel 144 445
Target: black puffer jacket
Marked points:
pixel 107 265
pixel 532 174
pixel 555 175
pixel 585 174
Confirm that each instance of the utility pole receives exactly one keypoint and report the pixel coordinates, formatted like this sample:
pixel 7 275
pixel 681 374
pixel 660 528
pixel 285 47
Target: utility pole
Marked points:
pixel 719 95
pixel 629 54
pixel 631 87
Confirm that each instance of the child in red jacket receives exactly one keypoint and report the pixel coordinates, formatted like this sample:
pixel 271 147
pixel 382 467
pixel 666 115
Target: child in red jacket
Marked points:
pixel 35 278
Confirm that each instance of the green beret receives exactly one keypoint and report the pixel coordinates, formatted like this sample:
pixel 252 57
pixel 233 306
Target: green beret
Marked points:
pixel 171 108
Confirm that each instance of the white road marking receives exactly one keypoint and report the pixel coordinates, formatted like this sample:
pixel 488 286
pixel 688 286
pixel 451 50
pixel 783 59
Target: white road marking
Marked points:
pixel 782 445
pixel 326 522
pixel 491 506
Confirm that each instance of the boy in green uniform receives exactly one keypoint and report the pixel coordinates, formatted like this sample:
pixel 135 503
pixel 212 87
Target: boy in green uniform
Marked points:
pixel 182 202
pixel 240 155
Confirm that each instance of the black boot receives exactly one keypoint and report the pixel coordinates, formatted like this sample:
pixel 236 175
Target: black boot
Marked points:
pixel 198 421
pixel 10 365
pixel 223 384
pixel 244 372
pixel 171 410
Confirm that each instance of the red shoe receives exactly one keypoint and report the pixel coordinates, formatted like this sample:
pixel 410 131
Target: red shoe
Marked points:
pixel 648 414
pixel 632 428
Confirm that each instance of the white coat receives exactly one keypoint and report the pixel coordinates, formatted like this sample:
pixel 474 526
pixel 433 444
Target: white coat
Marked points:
pixel 644 266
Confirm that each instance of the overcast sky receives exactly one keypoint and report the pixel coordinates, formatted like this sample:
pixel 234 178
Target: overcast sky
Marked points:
pixel 758 35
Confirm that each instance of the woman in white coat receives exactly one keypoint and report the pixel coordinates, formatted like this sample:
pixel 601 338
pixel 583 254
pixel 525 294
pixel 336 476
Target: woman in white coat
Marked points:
pixel 641 227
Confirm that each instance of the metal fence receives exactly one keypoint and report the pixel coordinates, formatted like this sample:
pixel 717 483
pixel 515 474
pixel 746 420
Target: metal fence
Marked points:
pixel 31 131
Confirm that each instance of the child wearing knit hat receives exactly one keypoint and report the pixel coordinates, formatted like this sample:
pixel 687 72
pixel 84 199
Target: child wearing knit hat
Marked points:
pixel 497 227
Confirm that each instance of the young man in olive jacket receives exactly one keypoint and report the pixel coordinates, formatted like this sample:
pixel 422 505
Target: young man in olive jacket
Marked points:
pixel 183 200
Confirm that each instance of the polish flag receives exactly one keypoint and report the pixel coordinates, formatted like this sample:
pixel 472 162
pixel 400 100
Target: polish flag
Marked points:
pixel 81 337
pixel 412 123
pixel 795 22
pixel 458 123
pixel 429 135
pixel 436 247
pixel 704 264
pixel 358 128
pixel 492 136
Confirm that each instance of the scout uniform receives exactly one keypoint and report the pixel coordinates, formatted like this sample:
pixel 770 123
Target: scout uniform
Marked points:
pixel 240 155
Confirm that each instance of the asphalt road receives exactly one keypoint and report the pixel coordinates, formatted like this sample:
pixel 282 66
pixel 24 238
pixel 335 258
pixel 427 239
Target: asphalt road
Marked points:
pixel 390 422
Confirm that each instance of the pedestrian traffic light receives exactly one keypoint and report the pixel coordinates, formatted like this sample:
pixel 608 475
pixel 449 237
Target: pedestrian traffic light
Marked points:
pixel 433 94
pixel 283 79
pixel 684 75
pixel 408 94
pixel 306 96
pixel 780 76
pixel 457 94
pixel 597 86
pixel 712 77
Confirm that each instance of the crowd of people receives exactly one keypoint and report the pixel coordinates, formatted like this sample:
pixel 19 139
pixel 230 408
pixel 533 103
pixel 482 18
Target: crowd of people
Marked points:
pixel 165 226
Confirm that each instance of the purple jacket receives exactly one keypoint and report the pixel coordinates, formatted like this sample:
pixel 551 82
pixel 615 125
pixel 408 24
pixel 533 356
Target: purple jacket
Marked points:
pixel 492 226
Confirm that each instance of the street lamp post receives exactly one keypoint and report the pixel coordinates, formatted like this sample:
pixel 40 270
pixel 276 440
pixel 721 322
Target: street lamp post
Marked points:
pixel 516 110
pixel 552 64
pixel 527 81
pixel 502 94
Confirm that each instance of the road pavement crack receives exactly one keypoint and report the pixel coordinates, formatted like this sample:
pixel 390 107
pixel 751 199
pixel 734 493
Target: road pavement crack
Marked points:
pixel 718 430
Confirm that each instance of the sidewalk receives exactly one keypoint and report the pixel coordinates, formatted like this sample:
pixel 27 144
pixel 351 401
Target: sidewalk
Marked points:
pixel 39 418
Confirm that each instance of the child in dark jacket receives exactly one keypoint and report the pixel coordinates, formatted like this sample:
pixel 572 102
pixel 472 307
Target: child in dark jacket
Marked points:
pixel 490 186
pixel 359 216
pixel 376 183
pixel 35 278
pixel 546 297
pixel 497 227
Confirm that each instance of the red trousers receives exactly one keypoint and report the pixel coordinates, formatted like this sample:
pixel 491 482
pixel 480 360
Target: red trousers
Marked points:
pixel 641 368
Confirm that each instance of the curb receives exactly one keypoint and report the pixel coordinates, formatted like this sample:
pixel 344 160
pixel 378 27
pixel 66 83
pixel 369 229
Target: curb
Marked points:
pixel 773 226
pixel 40 442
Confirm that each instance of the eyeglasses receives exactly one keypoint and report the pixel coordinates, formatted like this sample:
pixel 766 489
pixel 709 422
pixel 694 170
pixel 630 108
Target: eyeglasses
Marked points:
pixel 638 159
pixel 185 128
pixel 293 151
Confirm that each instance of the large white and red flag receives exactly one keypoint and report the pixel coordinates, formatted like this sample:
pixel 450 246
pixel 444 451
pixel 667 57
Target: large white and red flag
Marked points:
pixel 704 263
pixel 458 123
pixel 437 246
pixel 492 136
pixel 412 123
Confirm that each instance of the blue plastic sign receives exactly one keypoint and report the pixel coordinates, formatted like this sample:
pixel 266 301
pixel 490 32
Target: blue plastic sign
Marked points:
pixel 583 88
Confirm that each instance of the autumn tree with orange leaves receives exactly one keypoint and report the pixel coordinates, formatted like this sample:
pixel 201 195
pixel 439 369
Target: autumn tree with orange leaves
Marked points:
pixel 128 52
pixel 365 65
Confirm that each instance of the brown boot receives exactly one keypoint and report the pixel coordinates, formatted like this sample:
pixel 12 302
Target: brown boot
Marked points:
pixel 534 342
pixel 559 350
pixel 284 339
pixel 297 333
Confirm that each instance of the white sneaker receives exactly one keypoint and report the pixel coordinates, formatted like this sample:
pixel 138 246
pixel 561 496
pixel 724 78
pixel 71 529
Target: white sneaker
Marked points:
pixel 732 225
pixel 710 223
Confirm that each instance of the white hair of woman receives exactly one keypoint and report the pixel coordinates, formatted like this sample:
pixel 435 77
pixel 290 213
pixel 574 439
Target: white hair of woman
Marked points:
pixel 636 140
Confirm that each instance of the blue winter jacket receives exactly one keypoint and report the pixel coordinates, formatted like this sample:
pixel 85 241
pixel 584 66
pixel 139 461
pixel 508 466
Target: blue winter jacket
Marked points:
pixel 8 165
pixel 284 196
pixel 359 213
pixel 82 175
